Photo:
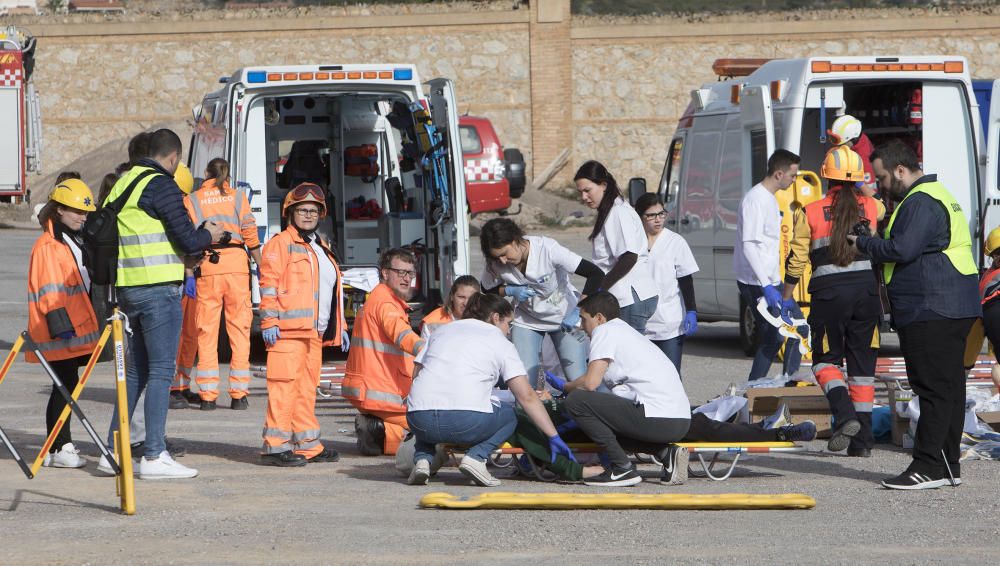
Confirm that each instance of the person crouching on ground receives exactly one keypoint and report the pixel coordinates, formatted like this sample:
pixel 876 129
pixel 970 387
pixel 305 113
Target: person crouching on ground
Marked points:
pixel 301 310
pixel 464 287
pixel 453 380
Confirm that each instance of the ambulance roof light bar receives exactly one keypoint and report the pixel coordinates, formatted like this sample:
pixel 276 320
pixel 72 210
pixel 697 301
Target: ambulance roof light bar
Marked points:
pixel 261 77
pixel 886 64
pixel 736 67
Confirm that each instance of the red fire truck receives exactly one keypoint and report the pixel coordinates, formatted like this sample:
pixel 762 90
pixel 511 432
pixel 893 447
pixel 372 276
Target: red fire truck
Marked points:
pixel 20 121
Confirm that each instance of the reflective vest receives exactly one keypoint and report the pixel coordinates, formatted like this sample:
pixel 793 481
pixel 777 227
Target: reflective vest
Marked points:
pixel 959 250
pixel 380 361
pixel 989 285
pixel 434 319
pixel 145 254
pixel 54 282
pixel 289 288
pixel 230 209
pixel 820 221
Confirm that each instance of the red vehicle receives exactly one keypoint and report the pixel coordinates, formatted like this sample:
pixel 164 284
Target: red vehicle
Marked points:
pixel 487 186
pixel 20 125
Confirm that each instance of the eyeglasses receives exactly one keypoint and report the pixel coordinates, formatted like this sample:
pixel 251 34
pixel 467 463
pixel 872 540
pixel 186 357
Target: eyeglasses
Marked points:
pixel 307 211
pixel 308 189
pixel 652 215
pixel 403 273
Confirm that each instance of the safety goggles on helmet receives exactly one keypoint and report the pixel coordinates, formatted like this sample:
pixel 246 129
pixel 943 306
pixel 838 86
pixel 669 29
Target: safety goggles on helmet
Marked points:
pixel 305 192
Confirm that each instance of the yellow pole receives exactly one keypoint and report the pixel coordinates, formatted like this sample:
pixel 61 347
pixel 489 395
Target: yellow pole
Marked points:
pixel 18 344
pixel 123 441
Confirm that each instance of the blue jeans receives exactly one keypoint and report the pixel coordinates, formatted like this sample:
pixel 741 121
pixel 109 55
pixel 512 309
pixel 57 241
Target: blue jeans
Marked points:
pixel 769 340
pixel 571 346
pixel 485 432
pixel 637 314
pixel 154 313
pixel 672 348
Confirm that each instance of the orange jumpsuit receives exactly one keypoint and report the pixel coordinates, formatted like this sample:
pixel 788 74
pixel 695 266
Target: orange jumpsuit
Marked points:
pixel 380 363
pixel 289 299
pixel 435 318
pixel 224 286
pixel 188 347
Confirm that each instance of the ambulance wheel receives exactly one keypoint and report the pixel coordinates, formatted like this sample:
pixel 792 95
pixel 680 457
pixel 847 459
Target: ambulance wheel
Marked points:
pixel 748 329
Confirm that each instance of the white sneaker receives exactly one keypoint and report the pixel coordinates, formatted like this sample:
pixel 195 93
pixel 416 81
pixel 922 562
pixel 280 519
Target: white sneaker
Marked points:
pixel 420 474
pixel 164 468
pixel 67 457
pixel 104 466
pixel 477 472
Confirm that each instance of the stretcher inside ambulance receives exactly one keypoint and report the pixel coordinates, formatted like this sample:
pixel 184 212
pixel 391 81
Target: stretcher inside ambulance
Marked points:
pixel 731 127
pixel 374 137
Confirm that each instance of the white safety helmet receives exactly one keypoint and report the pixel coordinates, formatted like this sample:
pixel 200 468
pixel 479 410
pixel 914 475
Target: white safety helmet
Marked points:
pixel 846 128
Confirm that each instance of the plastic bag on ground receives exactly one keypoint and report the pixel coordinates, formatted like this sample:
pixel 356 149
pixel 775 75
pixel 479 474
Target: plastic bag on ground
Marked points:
pixel 722 408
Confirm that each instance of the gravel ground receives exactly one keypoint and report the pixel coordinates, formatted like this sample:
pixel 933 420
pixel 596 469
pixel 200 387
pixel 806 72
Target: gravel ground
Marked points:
pixel 358 511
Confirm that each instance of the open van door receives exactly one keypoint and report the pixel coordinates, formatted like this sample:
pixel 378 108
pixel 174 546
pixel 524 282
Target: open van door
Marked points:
pixel 453 232
pixel 991 177
pixel 758 133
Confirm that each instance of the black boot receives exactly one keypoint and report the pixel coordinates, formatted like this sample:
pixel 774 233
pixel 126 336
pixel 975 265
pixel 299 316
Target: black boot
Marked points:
pixel 370 432
pixel 287 459
pixel 862 443
pixel 845 418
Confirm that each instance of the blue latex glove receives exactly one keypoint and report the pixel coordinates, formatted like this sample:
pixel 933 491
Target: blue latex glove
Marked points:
pixel 519 292
pixel 690 323
pixel 345 340
pixel 271 335
pixel 787 306
pixel 571 319
pixel 773 297
pixel 190 289
pixel 567 426
pixel 557 383
pixel 66 335
pixel 557 447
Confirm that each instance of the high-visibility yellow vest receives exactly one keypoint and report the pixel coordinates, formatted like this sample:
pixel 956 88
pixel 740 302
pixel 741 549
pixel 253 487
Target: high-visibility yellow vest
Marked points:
pixel 959 250
pixel 145 254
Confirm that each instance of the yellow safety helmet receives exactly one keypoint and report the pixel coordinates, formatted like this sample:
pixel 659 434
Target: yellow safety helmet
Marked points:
pixel 843 164
pixel 305 192
pixel 992 241
pixel 184 179
pixel 844 129
pixel 74 193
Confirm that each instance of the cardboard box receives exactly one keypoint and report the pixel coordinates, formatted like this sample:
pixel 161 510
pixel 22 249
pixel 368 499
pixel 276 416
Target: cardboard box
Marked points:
pixel 991 418
pixel 899 425
pixel 804 403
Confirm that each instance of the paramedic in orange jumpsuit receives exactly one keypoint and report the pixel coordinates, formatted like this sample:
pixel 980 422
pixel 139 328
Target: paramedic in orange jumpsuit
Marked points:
pixel 380 365
pixel 224 285
pixel 845 311
pixel 301 310
pixel 180 391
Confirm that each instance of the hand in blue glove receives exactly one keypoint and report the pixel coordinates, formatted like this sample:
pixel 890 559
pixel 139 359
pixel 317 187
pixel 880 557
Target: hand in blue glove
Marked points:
pixel 567 426
pixel 557 447
pixel 787 308
pixel 345 341
pixel 271 335
pixel 519 292
pixel 66 335
pixel 557 383
pixel 571 319
pixel 190 289
pixel 773 297
pixel 690 323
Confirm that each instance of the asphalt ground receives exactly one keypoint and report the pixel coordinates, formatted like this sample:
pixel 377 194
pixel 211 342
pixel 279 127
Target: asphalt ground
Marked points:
pixel 357 511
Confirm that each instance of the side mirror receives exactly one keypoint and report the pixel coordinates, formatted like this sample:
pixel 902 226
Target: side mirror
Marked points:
pixel 636 188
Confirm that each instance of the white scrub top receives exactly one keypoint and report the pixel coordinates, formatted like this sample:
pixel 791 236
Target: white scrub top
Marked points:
pixel 670 258
pixel 758 229
pixel 623 232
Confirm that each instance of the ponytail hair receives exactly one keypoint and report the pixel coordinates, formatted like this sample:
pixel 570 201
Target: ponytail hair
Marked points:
pixel 597 173
pixel 218 169
pixel 482 306
pixel 846 212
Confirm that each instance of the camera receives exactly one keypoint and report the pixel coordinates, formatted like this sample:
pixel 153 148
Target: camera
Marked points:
pixel 861 228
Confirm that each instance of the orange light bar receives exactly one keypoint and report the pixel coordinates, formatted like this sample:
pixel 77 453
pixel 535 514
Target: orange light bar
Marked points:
pixel 274 76
pixel 909 67
pixel 923 66
pixel 736 67
pixel 880 67
pixel 821 66
pixel 775 90
pixel 338 76
pixel 837 68
pixel 305 76
pixel 866 68
pixel 370 75
pixel 322 76
pixel 851 68
pixel 385 74
pixel 895 67
pixel 937 66
pixel 290 76
pixel 734 94
pixel 354 75
pixel 954 66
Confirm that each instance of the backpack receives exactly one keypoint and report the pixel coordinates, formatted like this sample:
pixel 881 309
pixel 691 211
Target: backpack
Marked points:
pixel 100 236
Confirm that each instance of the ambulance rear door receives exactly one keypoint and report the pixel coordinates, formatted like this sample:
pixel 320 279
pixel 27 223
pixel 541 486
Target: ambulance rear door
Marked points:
pixel 991 177
pixel 758 133
pixel 453 232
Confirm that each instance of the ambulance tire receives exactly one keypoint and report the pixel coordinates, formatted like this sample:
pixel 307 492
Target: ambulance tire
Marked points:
pixel 514 160
pixel 748 329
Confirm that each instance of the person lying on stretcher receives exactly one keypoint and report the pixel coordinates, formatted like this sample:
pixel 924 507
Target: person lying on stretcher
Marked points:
pixel 647 410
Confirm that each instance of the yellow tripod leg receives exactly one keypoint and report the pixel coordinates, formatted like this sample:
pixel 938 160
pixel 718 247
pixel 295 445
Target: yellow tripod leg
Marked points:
pixel 18 344
pixel 77 391
pixel 123 440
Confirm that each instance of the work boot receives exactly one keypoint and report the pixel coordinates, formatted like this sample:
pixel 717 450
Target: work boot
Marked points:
pixel 327 455
pixel 861 445
pixel 845 418
pixel 370 432
pixel 207 405
pixel 177 400
pixel 240 404
pixel 191 397
pixel 286 459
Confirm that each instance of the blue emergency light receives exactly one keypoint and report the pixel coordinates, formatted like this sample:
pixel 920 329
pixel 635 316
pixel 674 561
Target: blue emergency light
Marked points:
pixel 402 74
pixel 256 77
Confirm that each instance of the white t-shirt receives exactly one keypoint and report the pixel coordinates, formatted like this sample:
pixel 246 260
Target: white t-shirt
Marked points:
pixel 327 286
pixel 548 269
pixel 758 229
pixel 461 363
pixel 639 371
pixel 670 258
pixel 623 232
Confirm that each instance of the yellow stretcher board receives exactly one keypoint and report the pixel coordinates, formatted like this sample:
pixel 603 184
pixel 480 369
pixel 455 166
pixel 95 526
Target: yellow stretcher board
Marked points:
pixel 664 501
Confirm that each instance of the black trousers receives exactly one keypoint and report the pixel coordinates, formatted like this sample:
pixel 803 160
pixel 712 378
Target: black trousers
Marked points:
pixel 934 352
pixel 842 321
pixel 68 373
pixel 611 422
pixel 991 324
pixel 704 429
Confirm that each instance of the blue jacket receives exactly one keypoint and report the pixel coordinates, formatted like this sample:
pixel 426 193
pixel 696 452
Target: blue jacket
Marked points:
pixel 925 285
pixel 162 199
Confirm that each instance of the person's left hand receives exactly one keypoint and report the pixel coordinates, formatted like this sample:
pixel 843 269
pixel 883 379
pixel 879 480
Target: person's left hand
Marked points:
pixel 557 383
pixel 66 335
pixel 345 340
pixel 787 305
pixel 571 319
pixel 557 447
pixel 690 323
pixel 189 287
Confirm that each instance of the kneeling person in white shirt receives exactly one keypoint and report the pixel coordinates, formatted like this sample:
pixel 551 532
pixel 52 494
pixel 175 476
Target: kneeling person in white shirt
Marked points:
pixel 648 405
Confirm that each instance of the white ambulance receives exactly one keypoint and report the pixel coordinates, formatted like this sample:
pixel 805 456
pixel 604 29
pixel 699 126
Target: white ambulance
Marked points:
pixel 381 143
pixel 725 136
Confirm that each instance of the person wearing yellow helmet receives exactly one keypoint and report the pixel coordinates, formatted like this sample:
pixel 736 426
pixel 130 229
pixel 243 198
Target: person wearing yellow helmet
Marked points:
pixel 61 319
pixel 846 131
pixel 845 307
pixel 183 178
